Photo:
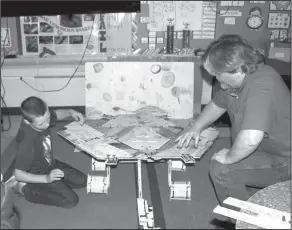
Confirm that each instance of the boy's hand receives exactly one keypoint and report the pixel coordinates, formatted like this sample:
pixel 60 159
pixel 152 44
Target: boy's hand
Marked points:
pixel 77 116
pixel 55 174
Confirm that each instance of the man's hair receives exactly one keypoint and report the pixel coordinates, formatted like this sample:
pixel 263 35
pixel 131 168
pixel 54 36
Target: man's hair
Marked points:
pixel 231 52
pixel 33 107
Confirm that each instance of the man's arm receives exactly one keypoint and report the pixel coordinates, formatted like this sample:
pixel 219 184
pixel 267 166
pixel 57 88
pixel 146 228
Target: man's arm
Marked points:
pixel 210 114
pixel 246 142
pixel 26 177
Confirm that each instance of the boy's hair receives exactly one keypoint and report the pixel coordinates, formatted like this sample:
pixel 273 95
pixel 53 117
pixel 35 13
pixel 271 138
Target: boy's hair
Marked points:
pixel 231 52
pixel 33 107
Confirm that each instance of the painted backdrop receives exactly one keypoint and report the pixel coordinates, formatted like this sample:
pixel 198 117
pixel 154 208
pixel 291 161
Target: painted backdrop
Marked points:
pixel 114 88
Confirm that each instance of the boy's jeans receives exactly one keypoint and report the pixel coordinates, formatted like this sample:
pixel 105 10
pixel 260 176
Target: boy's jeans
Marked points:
pixel 258 170
pixel 60 192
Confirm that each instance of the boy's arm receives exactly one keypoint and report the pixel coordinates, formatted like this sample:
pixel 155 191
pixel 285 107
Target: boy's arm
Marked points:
pixel 64 113
pixel 26 177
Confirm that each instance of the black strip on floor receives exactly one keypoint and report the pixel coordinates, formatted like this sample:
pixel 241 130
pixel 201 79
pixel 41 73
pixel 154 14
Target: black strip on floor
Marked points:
pixel 156 201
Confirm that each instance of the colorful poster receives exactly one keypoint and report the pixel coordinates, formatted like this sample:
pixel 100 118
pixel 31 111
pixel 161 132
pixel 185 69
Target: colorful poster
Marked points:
pixel 114 88
pixel 74 34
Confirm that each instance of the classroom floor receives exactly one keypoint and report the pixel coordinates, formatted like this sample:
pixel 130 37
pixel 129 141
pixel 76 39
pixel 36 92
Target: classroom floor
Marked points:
pixel 118 208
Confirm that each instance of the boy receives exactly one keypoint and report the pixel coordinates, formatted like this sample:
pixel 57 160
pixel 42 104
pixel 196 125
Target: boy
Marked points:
pixel 44 179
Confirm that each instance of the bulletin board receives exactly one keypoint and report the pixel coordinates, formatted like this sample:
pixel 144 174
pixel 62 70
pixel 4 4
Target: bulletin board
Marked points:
pixel 279 21
pixel 151 23
pixel 232 19
pixel 69 34
pixel 11 42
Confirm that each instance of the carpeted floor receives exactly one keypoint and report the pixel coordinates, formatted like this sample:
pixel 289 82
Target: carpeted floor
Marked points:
pixel 118 209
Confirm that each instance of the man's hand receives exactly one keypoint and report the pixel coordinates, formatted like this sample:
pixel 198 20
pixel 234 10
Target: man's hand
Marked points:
pixel 55 174
pixel 187 137
pixel 77 117
pixel 221 156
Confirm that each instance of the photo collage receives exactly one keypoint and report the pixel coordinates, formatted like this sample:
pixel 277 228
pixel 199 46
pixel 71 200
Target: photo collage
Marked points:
pixel 61 34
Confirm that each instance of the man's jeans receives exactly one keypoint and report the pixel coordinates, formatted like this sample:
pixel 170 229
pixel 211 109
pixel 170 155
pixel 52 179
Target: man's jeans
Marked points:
pixel 58 193
pixel 258 170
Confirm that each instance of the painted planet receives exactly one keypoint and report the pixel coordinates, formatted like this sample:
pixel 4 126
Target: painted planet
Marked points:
pixel 166 66
pixel 107 97
pixel 167 79
pixel 175 91
pixel 155 69
pixel 89 86
pixel 98 67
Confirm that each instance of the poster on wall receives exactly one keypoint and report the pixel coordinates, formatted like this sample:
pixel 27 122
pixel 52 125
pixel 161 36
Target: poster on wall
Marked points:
pixel 5 37
pixel 69 34
pixel 280 5
pixel 114 88
pixel 180 11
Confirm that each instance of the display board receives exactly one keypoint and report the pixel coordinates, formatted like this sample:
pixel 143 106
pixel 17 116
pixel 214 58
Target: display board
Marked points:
pixel 152 21
pixel 69 34
pixel 114 88
pixel 11 42
pixel 276 22
pixel 180 11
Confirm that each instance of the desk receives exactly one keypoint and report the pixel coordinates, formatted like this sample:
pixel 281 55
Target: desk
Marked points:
pixel 276 196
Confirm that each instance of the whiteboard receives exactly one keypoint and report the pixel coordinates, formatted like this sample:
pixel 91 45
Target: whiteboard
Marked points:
pixel 180 11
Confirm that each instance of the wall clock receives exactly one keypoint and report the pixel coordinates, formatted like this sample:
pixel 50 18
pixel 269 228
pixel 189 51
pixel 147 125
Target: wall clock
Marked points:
pixel 255 19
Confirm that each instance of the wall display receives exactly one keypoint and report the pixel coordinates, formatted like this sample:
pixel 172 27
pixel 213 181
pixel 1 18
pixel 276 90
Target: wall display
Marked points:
pixel 280 5
pixel 255 19
pixel 274 35
pixel 229 20
pixel 232 3
pixel 5 37
pixel 285 36
pixel 114 88
pixel 69 34
pixel 179 11
pixel 208 22
pixel 203 28
pixel 230 13
pixel 279 21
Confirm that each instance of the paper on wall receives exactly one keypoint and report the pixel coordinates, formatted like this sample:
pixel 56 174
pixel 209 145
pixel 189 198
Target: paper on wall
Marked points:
pixel 229 20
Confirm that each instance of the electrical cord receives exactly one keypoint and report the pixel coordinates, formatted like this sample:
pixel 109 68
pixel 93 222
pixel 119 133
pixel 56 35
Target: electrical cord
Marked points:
pixel 57 90
pixel 9 120
pixel 218 12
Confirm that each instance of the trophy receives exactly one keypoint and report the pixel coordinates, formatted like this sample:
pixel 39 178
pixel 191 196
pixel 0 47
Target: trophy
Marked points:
pixel 169 36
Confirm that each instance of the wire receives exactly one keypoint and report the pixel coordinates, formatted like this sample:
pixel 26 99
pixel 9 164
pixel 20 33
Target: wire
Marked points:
pixel 57 90
pixel 9 121
pixel 218 12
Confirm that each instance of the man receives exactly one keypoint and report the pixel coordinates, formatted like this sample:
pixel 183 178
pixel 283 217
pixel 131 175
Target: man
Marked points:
pixel 43 179
pixel 258 104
